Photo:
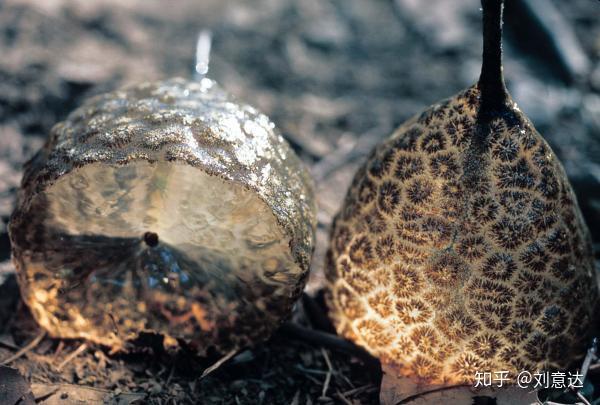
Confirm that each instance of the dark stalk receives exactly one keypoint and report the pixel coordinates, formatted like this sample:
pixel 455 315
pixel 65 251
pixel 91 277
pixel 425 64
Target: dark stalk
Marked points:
pixel 491 81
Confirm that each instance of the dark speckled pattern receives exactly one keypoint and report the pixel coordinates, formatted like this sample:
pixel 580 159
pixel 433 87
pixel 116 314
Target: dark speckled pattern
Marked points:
pixel 453 255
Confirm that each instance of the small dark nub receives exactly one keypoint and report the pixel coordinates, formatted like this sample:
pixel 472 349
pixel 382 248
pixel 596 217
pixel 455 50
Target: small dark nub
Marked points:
pixel 151 239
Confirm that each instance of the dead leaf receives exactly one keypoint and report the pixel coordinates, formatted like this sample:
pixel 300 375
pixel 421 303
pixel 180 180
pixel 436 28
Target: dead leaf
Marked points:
pixel 66 394
pixel 14 388
pixel 397 390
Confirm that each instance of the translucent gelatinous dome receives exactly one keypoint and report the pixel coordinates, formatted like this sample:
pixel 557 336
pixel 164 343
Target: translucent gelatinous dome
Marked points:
pixel 166 208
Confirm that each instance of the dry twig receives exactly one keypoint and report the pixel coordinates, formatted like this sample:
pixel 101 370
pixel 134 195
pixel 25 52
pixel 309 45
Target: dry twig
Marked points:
pixel 30 346
pixel 218 363
pixel 343 398
pixel 329 373
pixel 72 355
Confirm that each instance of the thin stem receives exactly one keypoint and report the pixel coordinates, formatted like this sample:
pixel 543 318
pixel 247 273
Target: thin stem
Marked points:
pixel 491 81
pixel 203 46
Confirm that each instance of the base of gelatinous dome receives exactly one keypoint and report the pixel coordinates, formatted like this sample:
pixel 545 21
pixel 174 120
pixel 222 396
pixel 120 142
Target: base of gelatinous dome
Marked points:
pixel 160 247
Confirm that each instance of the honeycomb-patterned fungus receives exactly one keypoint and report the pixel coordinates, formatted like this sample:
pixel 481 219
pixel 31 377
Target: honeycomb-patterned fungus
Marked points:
pixel 227 206
pixel 449 257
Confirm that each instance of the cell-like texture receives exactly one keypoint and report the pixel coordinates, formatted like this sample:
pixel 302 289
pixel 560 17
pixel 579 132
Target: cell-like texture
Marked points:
pixel 169 208
pixel 488 256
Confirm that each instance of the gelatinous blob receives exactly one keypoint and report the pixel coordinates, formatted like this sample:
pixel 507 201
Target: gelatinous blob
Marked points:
pixel 172 250
pixel 477 256
pixel 164 207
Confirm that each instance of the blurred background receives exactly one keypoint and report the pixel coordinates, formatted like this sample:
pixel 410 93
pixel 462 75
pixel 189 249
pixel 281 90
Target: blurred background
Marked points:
pixel 336 76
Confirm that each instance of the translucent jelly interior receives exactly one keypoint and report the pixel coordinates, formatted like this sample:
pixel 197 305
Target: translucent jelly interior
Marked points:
pixel 220 256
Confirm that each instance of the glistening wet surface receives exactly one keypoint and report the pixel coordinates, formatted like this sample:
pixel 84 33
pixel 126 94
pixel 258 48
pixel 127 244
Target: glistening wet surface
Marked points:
pixel 161 247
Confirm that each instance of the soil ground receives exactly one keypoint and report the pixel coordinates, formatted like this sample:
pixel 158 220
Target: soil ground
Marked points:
pixel 336 76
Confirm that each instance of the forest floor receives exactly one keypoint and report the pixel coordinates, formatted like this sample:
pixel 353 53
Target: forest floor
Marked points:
pixel 336 76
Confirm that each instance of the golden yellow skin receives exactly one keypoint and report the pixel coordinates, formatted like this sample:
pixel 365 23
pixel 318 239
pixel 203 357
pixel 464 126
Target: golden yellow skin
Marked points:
pixel 231 203
pixel 449 258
